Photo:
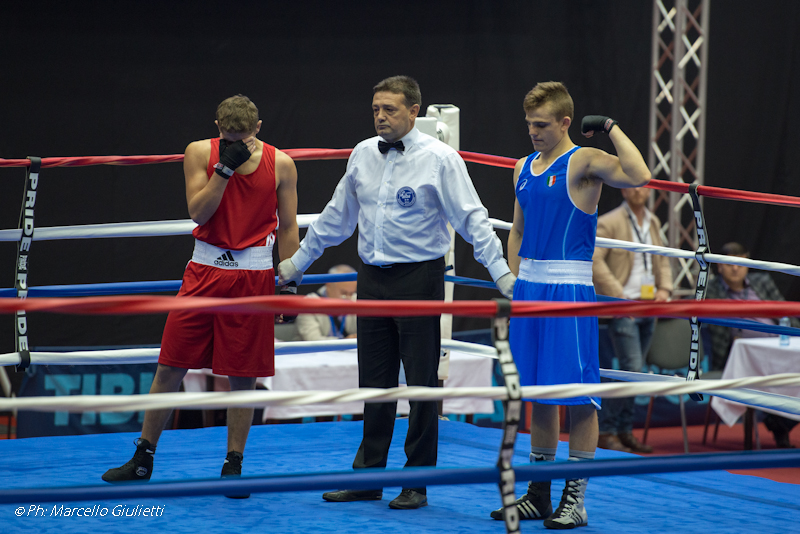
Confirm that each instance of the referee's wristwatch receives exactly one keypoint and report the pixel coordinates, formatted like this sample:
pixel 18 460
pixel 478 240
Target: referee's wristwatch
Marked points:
pixel 222 170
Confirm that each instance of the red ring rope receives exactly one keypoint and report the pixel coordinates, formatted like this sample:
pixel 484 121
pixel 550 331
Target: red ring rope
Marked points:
pixel 124 305
pixel 309 154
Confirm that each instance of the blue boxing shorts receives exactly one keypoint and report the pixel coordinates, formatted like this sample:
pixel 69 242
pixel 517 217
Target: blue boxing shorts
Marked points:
pixel 561 350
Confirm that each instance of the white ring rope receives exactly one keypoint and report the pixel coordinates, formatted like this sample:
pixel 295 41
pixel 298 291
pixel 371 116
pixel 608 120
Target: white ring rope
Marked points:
pixel 301 347
pixel 217 400
pixel 150 355
pixel 110 230
pixel 759 399
pixel 502 225
pixel 750 397
pixel 787 268
pixel 185 227
pixel 85 357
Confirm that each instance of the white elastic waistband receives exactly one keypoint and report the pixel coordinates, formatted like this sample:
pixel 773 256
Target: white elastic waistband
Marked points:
pixel 249 259
pixel 556 272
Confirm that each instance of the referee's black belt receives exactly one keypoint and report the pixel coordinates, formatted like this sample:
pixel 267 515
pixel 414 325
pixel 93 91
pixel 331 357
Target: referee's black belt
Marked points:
pixel 390 265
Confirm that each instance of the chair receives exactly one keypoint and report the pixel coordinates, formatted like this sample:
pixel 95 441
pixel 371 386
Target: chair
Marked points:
pixel 669 351
pixel 710 375
pixel 287 332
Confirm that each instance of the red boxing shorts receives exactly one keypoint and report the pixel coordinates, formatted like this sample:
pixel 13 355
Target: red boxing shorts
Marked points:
pixel 229 344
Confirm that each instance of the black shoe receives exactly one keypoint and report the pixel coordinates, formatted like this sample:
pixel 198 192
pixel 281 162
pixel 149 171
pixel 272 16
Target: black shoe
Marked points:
pixel 782 439
pixel 533 505
pixel 140 467
pixel 353 495
pixel 775 424
pixel 232 468
pixel 409 499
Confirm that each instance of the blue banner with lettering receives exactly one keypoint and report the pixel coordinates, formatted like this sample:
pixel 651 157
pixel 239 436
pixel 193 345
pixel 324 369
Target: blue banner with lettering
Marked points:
pixel 67 380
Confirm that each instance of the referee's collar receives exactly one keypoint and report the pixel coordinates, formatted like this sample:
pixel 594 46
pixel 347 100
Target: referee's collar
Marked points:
pixel 410 138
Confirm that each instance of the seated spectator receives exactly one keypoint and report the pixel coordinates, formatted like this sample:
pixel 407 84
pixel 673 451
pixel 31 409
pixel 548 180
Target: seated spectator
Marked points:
pixel 736 282
pixel 315 327
pixel 624 274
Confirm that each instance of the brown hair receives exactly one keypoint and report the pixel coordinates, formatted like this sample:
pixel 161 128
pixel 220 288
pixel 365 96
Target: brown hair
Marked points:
pixel 734 249
pixel 404 85
pixel 237 114
pixel 553 93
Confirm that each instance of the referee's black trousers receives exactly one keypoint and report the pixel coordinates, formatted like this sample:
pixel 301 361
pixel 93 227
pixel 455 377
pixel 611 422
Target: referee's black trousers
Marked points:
pixel 382 343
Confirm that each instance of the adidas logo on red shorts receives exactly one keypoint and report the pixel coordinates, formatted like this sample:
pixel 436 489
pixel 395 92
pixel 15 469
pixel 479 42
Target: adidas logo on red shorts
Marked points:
pixel 226 260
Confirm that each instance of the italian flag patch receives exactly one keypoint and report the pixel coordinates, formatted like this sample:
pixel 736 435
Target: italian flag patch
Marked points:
pixel 551 180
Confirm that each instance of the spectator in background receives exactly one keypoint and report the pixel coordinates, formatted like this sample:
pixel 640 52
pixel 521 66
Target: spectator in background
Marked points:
pixel 317 326
pixel 624 274
pixel 736 282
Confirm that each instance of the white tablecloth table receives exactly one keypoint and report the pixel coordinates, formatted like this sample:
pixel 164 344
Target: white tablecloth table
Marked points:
pixel 338 370
pixel 758 357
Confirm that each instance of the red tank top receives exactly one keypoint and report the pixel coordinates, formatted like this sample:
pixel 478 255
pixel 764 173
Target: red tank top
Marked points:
pixel 247 215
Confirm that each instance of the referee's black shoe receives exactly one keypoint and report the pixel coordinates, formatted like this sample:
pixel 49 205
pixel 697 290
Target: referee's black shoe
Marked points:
pixel 409 499
pixel 353 495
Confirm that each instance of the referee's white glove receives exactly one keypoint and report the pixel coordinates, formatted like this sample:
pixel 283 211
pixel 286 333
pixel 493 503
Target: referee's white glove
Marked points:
pixel 287 272
pixel 506 284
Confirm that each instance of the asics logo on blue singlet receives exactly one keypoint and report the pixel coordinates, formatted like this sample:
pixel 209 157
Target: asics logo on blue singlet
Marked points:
pixel 521 185
pixel 406 197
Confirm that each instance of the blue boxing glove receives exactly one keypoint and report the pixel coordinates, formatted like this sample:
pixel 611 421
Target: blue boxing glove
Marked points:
pixel 231 156
pixel 597 123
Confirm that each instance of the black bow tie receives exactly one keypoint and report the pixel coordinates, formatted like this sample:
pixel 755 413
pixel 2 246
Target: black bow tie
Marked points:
pixel 384 147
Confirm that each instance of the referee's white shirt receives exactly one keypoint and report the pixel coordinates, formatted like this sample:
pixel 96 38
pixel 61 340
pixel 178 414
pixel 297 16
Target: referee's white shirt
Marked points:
pixel 401 202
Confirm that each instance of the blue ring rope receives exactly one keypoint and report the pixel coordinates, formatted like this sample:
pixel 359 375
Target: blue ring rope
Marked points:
pixel 744 324
pixel 410 477
pixel 130 288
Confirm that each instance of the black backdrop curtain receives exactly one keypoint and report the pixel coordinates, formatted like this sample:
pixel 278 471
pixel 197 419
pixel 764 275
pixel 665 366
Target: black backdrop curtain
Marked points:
pixel 105 79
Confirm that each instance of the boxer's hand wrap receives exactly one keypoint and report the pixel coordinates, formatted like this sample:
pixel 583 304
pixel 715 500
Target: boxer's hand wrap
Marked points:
pixel 597 123
pixel 289 289
pixel 231 156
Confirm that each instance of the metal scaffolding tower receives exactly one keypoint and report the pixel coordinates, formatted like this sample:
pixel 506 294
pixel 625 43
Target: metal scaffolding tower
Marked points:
pixel 677 118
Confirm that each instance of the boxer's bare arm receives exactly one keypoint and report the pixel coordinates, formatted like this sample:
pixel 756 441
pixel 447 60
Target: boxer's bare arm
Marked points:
pixel 517 226
pixel 286 183
pixel 203 193
pixel 590 168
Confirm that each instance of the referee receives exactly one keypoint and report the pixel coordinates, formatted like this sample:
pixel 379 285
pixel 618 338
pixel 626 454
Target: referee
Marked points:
pixel 401 188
